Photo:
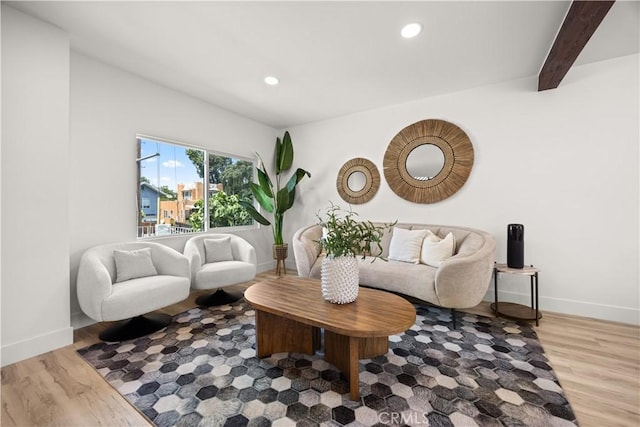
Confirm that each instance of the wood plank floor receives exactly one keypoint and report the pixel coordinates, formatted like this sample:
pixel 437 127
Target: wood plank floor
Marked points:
pixel 597 363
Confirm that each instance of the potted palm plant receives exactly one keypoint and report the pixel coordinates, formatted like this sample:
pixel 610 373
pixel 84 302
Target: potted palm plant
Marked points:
pixel 276 199
pixel 343 239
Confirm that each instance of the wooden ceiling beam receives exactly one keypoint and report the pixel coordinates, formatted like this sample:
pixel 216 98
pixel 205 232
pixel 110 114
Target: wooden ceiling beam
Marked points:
pixel 582 20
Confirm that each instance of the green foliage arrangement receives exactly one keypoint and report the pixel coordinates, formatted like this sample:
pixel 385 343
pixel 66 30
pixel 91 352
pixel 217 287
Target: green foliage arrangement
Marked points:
pixel 275 200
pixel 344 235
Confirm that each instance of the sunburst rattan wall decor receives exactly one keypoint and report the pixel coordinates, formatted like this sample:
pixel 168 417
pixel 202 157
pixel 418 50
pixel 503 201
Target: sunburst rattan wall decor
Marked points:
pixel 372 181
pixel 458 161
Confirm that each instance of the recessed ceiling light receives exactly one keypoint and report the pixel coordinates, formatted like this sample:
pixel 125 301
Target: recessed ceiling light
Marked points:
pixel 271 81
pixel 411 30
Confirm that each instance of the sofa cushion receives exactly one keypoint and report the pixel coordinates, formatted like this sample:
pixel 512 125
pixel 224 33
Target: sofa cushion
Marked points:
pixel 406 244
pixel 435 249
pixel 417 280
pixel 217 250
pixel 223 273
pixel 133 264
pixel 142 295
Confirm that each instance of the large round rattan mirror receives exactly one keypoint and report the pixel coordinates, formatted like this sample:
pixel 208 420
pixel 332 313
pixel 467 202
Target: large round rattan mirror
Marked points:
pixel 413 165
pixel 358 181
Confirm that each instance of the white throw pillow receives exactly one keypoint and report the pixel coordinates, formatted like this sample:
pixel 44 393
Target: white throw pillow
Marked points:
pixel 435 250
pixel 406 244
pixel 133 264
pixel 217 250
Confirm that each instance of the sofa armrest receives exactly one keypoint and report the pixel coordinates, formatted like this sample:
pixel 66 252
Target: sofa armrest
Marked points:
pixel 462 281
pixel 192 253
pixel 306 249
pixel 243 250
pixel 93 285
pixel 170 262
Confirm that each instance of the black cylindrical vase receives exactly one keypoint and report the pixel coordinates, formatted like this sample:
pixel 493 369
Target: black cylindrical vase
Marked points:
pixel 515 246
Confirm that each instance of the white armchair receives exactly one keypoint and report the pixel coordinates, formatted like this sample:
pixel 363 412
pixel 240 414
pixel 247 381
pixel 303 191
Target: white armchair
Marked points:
pixel 126 280
pixel 217 261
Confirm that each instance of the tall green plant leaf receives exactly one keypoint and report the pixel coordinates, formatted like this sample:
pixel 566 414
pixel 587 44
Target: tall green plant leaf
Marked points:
pixel 283 200
pixel 278 155
pixel 292 198
pixel 265 182
pixel 265 201
pixel 263 177
pixel 286 154
pixel 296 178
pixel 254 213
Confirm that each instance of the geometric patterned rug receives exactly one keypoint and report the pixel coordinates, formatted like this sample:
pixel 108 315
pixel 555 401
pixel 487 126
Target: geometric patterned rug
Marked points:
pixel 202 370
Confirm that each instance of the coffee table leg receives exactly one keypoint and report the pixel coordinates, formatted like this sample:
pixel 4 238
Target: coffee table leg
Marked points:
pixel 342 352
pixel 275 334
pixel 345 353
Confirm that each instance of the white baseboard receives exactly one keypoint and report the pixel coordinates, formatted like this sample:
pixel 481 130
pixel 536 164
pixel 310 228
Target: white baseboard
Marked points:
pixel 271 265
pixel 21 350
pixel 266 266
pixel 577 308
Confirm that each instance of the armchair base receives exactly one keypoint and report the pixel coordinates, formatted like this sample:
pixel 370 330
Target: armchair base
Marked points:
pixel 135 327
pixel 219 297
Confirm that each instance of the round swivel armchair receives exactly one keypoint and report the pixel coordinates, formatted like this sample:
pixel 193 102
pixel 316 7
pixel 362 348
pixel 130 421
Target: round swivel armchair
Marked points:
pixel 218 261
pixel 128 281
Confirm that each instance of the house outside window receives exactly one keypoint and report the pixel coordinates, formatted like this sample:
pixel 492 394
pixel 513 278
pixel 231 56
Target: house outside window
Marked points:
pixel 201 187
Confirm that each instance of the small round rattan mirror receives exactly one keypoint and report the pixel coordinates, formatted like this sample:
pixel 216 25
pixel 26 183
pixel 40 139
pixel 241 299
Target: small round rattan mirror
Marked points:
pixel 358 181
pixel 456 148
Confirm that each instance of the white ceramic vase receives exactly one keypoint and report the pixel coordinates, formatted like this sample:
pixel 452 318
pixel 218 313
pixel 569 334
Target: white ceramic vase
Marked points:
pixel 339 277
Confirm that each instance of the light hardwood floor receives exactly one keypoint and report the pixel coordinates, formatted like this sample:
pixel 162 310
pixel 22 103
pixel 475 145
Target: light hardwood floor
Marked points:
pixel 597 363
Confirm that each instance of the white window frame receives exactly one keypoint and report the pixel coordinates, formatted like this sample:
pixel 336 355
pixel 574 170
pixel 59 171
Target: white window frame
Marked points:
pixel 207 152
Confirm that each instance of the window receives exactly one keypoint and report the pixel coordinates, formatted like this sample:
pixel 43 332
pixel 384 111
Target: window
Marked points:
pixel 173 178
pixel 229 180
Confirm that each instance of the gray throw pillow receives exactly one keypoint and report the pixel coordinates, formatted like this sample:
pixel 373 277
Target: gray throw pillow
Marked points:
pixel 217 250
pixel 133 264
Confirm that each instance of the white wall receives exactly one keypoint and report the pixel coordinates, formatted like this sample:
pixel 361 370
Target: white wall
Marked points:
pixel 562 162
pixel 35 168
pixel 108 108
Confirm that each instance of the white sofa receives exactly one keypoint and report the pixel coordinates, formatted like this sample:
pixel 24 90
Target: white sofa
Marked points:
pixel 459 282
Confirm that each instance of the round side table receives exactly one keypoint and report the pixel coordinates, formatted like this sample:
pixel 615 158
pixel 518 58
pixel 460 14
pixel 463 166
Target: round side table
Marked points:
pixel 513 310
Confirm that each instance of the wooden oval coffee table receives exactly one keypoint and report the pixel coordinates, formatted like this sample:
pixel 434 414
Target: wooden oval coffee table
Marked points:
pixel 290 312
